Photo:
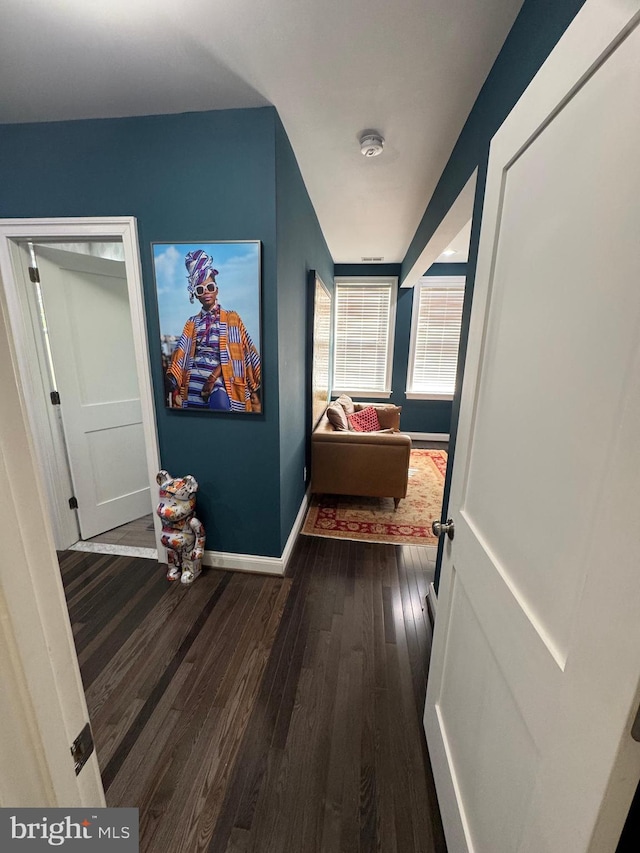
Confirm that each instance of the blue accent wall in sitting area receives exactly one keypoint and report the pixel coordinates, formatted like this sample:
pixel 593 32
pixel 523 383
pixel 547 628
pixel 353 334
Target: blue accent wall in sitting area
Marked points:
pixel 197 176
pixel 424 416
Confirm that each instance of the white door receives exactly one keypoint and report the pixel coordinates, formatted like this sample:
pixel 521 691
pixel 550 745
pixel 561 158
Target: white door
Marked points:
pixel 88 317
pixel 42 702
pixel 535 672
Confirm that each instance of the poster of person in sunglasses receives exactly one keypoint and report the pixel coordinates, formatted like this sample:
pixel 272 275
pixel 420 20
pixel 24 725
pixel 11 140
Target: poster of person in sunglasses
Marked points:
pixel 210 363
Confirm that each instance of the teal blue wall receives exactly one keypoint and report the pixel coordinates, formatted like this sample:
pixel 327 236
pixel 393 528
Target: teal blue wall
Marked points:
pixel 301 247
pixel 417 415
pixel 189 177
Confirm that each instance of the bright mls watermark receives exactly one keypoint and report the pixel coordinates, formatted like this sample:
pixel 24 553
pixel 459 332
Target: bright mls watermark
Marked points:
pixel 80 830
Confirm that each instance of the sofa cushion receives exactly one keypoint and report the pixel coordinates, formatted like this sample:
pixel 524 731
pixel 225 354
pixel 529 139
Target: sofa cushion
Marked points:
pixel 388 416
pixel 337 417
pixel 365 420
pixel 347 404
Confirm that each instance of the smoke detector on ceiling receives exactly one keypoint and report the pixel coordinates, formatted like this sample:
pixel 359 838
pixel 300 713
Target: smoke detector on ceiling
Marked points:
pixel 371 144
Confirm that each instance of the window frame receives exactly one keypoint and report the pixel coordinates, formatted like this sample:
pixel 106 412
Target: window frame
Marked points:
pixel 392 283
pixel 457 282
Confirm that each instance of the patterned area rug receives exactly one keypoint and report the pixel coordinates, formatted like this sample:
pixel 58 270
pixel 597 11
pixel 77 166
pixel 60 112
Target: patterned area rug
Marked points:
pixel 374 519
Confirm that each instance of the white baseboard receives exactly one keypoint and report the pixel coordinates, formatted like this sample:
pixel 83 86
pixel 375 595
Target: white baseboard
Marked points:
pixel 432 603
pixel 215 559
pixel 297 525
pixel 243 563
pixel 254 562
pixel 429 436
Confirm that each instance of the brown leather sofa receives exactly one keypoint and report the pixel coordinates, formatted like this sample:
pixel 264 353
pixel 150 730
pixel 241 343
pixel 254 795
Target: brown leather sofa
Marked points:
pixel 372 464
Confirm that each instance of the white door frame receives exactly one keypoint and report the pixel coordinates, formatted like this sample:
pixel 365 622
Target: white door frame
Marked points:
pixel 42 701
pixel 65 229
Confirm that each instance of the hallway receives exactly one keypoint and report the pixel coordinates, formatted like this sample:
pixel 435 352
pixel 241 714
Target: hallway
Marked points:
pixel 253 713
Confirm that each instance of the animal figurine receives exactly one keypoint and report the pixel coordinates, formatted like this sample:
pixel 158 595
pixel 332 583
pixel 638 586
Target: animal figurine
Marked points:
pixel 182 533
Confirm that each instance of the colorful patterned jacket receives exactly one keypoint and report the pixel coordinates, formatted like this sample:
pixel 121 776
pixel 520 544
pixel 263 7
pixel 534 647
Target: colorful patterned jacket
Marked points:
pixel 239 360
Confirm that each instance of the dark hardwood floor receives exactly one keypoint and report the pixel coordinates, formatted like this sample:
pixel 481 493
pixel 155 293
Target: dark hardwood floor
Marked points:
pixel 252 713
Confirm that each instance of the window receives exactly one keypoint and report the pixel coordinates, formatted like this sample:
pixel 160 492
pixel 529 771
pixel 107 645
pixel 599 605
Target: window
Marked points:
pixel 365 313
pixel 435 336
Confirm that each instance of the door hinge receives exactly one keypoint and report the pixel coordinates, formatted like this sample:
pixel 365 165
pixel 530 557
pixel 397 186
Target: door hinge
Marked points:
pixel 73 502
pixel 55 398
pixel 34 274
pixel 81 748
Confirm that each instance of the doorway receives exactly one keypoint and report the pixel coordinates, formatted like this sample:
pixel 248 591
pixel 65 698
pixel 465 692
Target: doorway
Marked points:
pixel 75 304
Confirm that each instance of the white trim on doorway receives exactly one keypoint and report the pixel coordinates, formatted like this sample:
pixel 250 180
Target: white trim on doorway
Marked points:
pixel 454 221
pixel 63 229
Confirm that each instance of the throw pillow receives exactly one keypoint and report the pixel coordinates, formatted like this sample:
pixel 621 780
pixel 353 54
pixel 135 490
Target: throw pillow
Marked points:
pixel 365 421
pixel 389 417
pixel 347 404
pixel 337 417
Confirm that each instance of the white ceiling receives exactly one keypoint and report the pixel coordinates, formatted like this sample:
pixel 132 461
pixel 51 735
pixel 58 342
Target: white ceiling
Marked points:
pixel 410 69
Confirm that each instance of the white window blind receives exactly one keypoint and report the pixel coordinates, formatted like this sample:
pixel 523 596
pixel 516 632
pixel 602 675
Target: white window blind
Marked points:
pixel 364 327
pixel 437 310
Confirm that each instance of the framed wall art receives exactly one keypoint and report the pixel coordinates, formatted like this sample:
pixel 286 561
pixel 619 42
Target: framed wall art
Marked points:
pixel 320 348
pixel 209 308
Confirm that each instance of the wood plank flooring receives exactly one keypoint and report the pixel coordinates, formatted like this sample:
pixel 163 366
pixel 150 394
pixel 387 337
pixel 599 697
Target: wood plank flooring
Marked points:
pixel 138 533
pixel 251 713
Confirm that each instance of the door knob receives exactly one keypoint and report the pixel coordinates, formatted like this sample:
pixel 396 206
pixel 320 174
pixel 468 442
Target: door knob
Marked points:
pixel 439 528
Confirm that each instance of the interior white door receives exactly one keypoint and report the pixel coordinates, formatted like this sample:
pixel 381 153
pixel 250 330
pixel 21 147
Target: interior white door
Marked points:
pixel 41 697
pixel 535 671
pixel 89 323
